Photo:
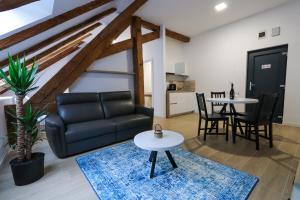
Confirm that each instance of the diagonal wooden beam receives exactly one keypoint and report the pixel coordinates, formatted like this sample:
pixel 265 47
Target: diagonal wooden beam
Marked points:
pixel 58 56
pixel 12 4
pixel 50 60
pixel 150 26
pixel 177 36
pixel 169 33
pixel 43 26
pixel 128 44
pixel 79 63
pixel 137 56
pixel 61 35
pixel 151 36
pixel 81 35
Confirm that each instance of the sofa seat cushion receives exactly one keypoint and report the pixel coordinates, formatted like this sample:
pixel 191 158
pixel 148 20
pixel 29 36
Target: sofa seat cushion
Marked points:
pixel 131 121
pixel 85 130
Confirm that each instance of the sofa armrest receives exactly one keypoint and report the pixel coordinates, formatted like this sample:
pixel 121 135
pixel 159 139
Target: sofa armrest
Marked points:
pixel 54 120
pixel 55 131
pixel 143 110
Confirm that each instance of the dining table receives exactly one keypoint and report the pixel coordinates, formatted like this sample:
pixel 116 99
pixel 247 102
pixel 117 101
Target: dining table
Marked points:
pixel 231 102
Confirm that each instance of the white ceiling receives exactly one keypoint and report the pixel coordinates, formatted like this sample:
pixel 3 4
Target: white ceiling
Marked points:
pixel 192 17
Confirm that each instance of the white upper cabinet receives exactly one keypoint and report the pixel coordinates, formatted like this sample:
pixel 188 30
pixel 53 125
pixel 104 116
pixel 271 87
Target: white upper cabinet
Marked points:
pixel 175 59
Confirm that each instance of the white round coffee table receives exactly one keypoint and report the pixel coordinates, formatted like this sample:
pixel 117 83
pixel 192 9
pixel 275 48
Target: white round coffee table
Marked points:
pixel 146 140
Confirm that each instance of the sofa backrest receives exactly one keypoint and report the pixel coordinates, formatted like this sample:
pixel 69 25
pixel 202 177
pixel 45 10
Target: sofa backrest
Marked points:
pixel 79 107
pixel 117 103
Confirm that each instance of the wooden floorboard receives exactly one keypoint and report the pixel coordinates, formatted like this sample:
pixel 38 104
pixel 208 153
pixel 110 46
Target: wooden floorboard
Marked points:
pixel 275 167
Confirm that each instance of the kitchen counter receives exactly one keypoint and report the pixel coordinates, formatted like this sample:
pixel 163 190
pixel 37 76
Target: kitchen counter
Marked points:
pixel 180 102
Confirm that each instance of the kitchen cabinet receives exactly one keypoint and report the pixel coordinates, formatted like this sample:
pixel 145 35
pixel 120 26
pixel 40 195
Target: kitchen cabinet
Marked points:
pixel 180 102
pixel 180 68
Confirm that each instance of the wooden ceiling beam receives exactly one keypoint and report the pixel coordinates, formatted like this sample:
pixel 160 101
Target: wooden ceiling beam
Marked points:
pixel 128 44
pixel 138 62
pixel 48 61
pixel 177 36
pixel 75 38
pixel 150 26
pixel 169 33
pixel 117 48
pixel 58 51
pixel 58 56
pixel 60 35
pixel 151 36
pixel 50 23
pixel 80 62
pixel 12 4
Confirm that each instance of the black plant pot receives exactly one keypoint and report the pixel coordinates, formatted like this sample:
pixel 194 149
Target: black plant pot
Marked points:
pixel 29 171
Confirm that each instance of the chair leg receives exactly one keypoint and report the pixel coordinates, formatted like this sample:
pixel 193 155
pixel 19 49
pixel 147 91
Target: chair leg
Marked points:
pixel 271 134
pixel 246 130
pixel 217 127
pixel 205 129
pixel 266 130
pixel 256 137
pixel 199 126
pixel 226 129
pixel 234 131
pixel 249 129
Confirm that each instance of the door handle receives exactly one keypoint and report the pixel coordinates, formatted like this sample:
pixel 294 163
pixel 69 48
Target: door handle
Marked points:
pixel 282 86
pixel 251 85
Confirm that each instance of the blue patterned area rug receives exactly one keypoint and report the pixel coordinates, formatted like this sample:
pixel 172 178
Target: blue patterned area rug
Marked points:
pixel 122 172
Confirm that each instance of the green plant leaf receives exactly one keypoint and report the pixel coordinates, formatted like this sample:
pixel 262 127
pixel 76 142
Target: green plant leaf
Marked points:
pixel 20 79
pixel 6 78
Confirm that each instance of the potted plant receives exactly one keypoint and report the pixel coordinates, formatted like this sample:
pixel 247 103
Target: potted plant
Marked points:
pixel 26 167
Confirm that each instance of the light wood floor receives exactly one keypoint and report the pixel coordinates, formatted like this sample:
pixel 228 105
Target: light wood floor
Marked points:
pixel 275 167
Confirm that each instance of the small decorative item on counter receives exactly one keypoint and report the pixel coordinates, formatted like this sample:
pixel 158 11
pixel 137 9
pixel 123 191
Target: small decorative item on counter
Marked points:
pixel 232 93
pixel 158 131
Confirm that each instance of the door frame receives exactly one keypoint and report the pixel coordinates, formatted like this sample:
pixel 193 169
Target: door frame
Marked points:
pixel 152 76
pixel 249 64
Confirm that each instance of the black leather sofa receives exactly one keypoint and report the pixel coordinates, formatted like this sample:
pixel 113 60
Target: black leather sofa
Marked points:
pixel 86 121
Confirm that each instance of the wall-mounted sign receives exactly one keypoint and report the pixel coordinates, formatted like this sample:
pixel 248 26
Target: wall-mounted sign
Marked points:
pixel 267 66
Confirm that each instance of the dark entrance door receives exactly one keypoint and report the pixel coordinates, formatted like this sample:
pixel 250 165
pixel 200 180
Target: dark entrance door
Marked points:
pixel 266 74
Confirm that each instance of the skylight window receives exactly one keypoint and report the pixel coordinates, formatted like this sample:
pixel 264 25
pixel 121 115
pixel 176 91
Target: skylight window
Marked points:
pixel 14 19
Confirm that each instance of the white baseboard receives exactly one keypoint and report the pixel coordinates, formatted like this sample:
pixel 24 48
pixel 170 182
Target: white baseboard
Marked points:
pixel 291 124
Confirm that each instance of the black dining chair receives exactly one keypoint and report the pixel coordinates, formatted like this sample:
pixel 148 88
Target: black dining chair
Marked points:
pixel 262 116
pixel 213 118
pixel 218 105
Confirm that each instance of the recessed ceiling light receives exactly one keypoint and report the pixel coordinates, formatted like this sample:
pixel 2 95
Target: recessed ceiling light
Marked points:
pixel 221 6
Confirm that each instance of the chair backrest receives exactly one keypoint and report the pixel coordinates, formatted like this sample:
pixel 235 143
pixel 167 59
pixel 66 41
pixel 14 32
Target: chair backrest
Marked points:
pixel 266 107
pixel 201 105
pixel 216 95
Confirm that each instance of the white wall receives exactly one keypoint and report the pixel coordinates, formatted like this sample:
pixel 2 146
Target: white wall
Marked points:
pixel 155 51
pixel 97 82
pixel 174 53
pixel 219 57
pixel 148 77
